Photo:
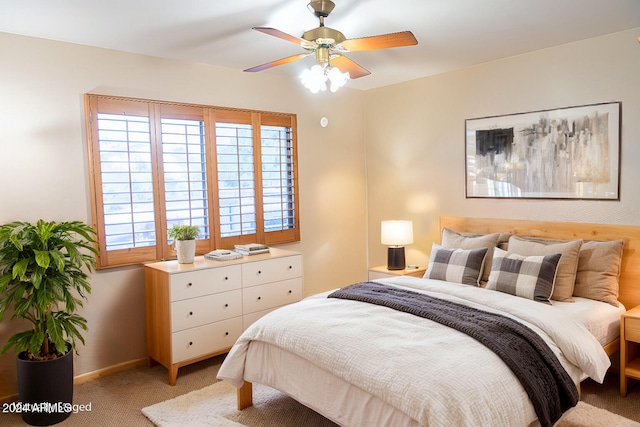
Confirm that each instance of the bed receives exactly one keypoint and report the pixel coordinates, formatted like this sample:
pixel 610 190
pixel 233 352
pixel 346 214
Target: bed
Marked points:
pixel 362 364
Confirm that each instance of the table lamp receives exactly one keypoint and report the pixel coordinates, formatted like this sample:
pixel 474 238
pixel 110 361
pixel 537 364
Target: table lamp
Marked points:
pixel 396 234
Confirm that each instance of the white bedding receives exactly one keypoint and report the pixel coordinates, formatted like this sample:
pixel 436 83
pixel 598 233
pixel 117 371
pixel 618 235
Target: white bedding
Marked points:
pixel 325 393
pixel 600 318
pixel 432 374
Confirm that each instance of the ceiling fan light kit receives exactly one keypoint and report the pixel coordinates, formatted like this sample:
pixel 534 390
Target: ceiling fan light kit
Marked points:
pixel 328 45
pixel 315 79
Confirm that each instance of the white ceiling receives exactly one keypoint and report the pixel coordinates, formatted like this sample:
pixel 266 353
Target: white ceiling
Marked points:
pixel 451 34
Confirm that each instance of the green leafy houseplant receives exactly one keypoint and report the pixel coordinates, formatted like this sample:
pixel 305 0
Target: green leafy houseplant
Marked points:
pixel 184 232
pixel 184 237
pixel 44 277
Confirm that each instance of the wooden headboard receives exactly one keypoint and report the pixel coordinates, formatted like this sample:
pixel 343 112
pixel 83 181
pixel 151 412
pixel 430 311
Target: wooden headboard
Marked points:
pixel 629 293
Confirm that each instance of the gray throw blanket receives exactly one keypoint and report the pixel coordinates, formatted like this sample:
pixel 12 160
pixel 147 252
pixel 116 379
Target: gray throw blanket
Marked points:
pixel 548 385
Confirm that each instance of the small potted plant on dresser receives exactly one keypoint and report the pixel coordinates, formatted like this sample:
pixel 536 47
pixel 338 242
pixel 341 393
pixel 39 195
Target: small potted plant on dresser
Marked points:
pixel 184 237
pixel 44 272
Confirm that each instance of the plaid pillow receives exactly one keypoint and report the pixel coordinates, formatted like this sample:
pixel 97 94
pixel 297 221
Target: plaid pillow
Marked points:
pixel 455 240
pixel 456 265
pixel 566 274
pixel 529 277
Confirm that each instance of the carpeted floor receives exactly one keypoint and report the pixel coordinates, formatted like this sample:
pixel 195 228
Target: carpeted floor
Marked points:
pixel 117 400
pixel 607 396
pixel 215 406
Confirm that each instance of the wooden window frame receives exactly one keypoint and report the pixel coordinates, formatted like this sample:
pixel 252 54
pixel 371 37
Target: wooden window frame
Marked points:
pixel 156 110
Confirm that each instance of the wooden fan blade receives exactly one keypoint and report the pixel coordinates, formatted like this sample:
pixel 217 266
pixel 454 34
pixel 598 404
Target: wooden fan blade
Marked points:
pixel 384 41
pixel 282 61
pixel 344 64
pixel 284 36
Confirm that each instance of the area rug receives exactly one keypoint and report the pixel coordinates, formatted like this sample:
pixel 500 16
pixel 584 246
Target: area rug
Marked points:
pixel 215 405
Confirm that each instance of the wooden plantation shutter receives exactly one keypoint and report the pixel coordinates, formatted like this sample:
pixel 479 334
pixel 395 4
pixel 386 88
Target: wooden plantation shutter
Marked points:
pixel 257 178
pixel 155 164
pixel 279 179
pixel 236 175
pixel 184 180
pixel 122 177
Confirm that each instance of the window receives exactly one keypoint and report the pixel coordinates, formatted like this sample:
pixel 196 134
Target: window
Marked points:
pixel 156 164
pixel 236 179
pixel 127 183
pixel 185 174
pixel 278 193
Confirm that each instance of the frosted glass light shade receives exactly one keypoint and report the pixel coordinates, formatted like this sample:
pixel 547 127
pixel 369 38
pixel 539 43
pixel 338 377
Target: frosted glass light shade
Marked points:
pixel 317 77
pixel 396 233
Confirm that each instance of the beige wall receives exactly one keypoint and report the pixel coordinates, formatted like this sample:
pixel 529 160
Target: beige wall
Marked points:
pixel 44 168
pixel 415 136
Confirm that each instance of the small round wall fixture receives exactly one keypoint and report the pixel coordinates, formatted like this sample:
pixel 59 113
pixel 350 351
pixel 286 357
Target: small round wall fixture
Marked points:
pixel 324 122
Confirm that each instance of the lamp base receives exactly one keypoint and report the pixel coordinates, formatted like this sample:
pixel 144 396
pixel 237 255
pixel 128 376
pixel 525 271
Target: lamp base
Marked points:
pixel 395 258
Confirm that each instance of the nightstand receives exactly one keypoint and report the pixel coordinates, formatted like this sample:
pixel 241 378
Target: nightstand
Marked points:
pixel 382 272
pixel 629 344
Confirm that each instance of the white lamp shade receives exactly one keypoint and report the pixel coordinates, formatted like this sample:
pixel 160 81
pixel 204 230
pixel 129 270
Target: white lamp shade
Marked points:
pixel 396 233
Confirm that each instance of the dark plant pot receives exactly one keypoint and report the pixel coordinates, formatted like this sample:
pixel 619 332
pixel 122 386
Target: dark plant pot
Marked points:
pixel 47 387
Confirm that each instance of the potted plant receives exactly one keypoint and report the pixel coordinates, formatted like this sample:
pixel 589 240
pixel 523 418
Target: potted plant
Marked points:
pixel 184 237
pixel 44 271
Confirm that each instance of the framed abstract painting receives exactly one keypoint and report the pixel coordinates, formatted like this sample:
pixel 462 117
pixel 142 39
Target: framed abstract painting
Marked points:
pixel 564 153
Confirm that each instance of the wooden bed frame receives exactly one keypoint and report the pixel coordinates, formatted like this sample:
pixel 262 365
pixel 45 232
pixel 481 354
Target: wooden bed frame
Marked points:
pixel 629 293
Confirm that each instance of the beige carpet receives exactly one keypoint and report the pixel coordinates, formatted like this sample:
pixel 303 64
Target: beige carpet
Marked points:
pixel 117 399
pixel 215 405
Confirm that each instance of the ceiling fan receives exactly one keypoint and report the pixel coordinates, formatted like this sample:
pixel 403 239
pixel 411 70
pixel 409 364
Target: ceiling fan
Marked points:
pixel 328 44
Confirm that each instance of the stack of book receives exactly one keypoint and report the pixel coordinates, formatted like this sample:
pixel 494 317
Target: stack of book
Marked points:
pixel 223 255
pixel 252 249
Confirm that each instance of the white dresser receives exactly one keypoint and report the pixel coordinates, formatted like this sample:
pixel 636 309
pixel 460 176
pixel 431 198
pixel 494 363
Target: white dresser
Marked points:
pixel 196 311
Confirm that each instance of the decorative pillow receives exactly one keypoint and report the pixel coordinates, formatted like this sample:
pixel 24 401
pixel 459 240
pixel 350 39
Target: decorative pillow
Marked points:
pixel 570 250
pixel 454 240
pixel 529 277
pixel 456 265
pixel 598 271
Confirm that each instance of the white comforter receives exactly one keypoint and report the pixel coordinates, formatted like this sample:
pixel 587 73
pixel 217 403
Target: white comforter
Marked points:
pixel 434 374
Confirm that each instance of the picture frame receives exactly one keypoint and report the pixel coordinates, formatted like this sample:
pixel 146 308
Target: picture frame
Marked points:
pixel 562 153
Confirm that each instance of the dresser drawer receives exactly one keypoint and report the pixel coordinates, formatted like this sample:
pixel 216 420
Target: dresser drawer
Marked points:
pixel 258 298
pixel 272 270
pixel 632 329
pixel 210 338
pixel 194 312
pixel 204 282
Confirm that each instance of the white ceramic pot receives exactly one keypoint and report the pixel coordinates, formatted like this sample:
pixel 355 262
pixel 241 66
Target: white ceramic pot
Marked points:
pixel 186 251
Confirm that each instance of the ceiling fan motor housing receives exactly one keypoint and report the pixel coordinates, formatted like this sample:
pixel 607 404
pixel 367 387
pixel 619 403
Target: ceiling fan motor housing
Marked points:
pixel 321 8
pixel 324 36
